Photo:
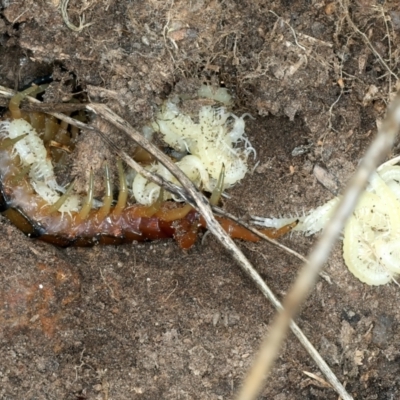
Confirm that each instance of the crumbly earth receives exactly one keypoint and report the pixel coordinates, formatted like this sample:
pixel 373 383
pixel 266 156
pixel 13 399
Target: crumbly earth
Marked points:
pixel 149 321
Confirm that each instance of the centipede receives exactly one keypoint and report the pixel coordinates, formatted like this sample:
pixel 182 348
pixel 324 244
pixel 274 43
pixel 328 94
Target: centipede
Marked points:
pixel 32 199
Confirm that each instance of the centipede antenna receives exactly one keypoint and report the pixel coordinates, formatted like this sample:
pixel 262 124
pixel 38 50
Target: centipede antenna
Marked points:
pixel 217 192
pixel 6 143
pixel 123 190
pixel 57 205
pixel 88 203
pixel 16 100
pixel 106 207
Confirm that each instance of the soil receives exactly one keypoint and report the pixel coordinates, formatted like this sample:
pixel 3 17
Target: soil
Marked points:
pixel 149 321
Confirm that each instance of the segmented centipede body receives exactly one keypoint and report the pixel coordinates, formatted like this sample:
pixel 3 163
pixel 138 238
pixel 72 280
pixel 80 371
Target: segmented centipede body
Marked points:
pixel 31 198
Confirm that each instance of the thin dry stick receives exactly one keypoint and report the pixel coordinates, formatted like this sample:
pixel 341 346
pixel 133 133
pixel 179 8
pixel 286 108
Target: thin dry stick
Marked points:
pixel 319 255
pixel 201 202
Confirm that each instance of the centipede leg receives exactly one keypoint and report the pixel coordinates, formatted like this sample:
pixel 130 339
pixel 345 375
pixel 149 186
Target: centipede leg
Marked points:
pixel 123 190
pixel 57 205
pixel 15 102
pixel 88 203
pixel 150 211
pixel 276 233
pixel 107 201
pixel 74 129
pixel 217 192
pixel 62 136
pixel 6 143
pixel 50 128
pixel 37 120
pixel 16 179
pixel 173 214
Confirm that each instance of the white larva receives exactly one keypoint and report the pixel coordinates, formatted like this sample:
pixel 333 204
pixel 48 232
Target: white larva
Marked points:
pixel 359 258
pixel 213 140
pixel 316 220
pixel 33 154
pixel 143 191
pixel 309 224
pixel 371 236
pixel 388 254
pixel 147 193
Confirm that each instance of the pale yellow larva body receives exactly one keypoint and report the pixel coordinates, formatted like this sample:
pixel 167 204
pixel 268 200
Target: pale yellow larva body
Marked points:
pixel 371 236
pixel 208 142
pixel 32 153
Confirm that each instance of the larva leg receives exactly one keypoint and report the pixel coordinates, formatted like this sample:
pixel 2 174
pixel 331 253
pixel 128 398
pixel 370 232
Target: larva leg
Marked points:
pixel 88 203
pixel 217 192
pixel 173 214
pixel 123 190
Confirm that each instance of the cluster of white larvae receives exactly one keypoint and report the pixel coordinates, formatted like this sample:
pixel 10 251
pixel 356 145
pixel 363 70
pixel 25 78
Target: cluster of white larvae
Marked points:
pixel 371 239
pixel 204 147
pixel 33 156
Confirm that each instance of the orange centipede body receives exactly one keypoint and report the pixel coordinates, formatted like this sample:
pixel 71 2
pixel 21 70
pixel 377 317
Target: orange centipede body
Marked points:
pixel 25 190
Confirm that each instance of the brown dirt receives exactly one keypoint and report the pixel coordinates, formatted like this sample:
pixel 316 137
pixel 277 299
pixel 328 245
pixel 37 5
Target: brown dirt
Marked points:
pixel 148 321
